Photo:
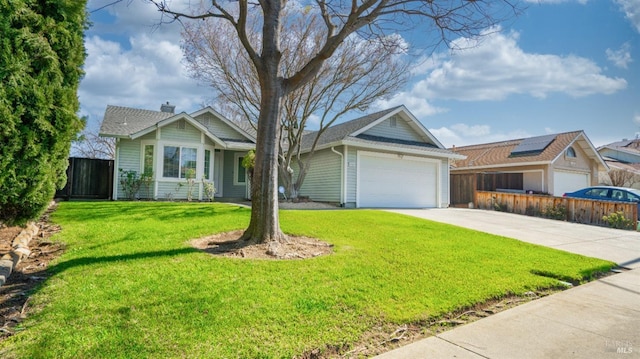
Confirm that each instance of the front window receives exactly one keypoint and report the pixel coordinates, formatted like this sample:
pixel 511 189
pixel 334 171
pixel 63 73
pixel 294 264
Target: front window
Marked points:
pixel 207 164
pixel 179 162
pixel 147 169
pixel 571 153
pixel 240 177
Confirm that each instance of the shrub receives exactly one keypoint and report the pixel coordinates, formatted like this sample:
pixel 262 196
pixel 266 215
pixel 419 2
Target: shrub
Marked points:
pixel 41 57
pixel 553 212
pixel 618 220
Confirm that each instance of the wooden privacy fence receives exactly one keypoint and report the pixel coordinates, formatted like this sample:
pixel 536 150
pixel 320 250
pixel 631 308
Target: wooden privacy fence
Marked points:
pixel 88 178
pixel 569 209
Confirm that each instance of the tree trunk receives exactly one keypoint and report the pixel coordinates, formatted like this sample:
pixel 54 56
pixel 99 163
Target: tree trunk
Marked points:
pixel 265 221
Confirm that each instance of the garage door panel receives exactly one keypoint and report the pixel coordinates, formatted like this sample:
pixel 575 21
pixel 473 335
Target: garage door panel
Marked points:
pixel 396 182
pixel 564 181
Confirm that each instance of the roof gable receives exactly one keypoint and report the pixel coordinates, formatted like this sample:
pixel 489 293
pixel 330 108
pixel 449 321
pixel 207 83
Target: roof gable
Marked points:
pixel 536 150
pixel 125 122
pixel 376 127
pixel 221 126
pixel 179 117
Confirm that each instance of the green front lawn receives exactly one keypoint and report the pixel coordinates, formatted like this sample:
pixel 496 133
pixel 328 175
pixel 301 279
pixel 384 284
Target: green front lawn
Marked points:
pixel 129 284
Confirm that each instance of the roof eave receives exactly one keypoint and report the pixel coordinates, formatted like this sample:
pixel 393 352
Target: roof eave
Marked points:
pixel 391 148
pixel 504 165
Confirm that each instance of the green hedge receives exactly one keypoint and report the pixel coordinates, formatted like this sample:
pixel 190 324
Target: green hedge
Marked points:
pixel 41 55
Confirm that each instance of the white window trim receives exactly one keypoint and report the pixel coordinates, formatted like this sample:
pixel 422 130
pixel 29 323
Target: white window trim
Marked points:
pixel 236 182
pixel 211 162
pixel 143 144
pixel 199 163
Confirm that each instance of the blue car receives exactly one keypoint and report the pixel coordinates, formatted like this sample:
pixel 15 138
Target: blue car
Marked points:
pixel 608 193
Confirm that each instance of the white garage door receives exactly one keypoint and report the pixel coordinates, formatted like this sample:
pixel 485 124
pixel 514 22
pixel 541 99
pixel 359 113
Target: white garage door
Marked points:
pixel 394 182
pixel 564 182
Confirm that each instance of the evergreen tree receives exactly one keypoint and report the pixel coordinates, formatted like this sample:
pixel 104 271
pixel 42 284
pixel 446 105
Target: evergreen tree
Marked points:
pixel 41 55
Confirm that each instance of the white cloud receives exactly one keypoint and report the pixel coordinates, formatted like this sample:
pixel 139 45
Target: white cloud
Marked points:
pixel 418 105
pixel 141 70
pixel 636 119
pixel 621 57
pixel 461 134
pixel 495 67
pixel 631 9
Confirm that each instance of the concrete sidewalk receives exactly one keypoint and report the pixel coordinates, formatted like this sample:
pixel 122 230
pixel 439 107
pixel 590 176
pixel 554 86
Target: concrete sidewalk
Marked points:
pixel 600 319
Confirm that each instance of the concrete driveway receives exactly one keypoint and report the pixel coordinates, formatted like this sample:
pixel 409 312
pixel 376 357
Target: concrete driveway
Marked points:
pixel 600 319
pixel 616 245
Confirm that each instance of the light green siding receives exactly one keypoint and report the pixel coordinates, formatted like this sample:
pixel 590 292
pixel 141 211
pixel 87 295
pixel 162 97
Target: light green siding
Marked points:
pixel 148 136
pixel 178 189
pixel 218 127
pixel 189 134
pixel 401 131
pixel 128 160
pixel 323 181
pixel 229 189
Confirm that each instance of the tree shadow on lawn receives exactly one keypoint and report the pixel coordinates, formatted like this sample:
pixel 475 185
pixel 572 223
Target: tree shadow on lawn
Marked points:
pixel 85 261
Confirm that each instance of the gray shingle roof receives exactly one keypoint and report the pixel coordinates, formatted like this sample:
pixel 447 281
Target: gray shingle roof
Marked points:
pixel 124 121
pixel 343 130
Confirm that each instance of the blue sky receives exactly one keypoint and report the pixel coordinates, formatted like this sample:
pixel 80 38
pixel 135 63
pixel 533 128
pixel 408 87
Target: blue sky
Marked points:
pixel 560 66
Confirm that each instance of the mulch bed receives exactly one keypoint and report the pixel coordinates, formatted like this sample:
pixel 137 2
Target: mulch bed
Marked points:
pixel 28 274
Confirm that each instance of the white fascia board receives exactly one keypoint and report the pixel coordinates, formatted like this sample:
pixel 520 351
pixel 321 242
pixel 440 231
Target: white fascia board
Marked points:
pixel 247 147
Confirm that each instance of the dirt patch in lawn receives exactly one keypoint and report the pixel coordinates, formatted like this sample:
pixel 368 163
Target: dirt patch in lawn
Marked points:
pixel 15 294
pixel 229 244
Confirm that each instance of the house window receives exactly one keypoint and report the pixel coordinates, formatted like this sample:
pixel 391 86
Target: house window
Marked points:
pixel 179 162
pixel 207 164
pixel 147 167
pixel 181 124
pixel 393 122
pixel 240 175
pixel 571 152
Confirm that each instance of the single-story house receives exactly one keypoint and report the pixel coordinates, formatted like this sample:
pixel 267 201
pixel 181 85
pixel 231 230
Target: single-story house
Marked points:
pixel 172 147
pixel 552 164
pixel 625 156
pixel 385 159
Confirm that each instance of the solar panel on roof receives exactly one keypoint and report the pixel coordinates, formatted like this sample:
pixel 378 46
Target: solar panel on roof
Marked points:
pixel 533 145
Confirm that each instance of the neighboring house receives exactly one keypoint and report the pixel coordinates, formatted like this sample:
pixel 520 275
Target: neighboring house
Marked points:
pixel 172 146
pixel 622 155
pixel 552 164
pixel 385 159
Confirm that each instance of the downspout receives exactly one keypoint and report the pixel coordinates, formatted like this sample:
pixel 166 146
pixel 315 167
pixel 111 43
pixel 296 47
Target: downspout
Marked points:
pixel 333 149
pixel 114 196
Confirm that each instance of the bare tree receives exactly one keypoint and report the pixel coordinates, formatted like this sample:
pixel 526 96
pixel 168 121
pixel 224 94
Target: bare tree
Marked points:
pixel 361 71
pixel 369 18
pixel 90 145
pixel 621 178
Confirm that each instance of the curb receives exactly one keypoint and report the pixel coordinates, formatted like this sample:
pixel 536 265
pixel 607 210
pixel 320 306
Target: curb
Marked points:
pixel 19 250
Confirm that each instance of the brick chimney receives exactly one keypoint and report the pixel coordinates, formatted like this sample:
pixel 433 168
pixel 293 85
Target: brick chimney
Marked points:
pixel 166 107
